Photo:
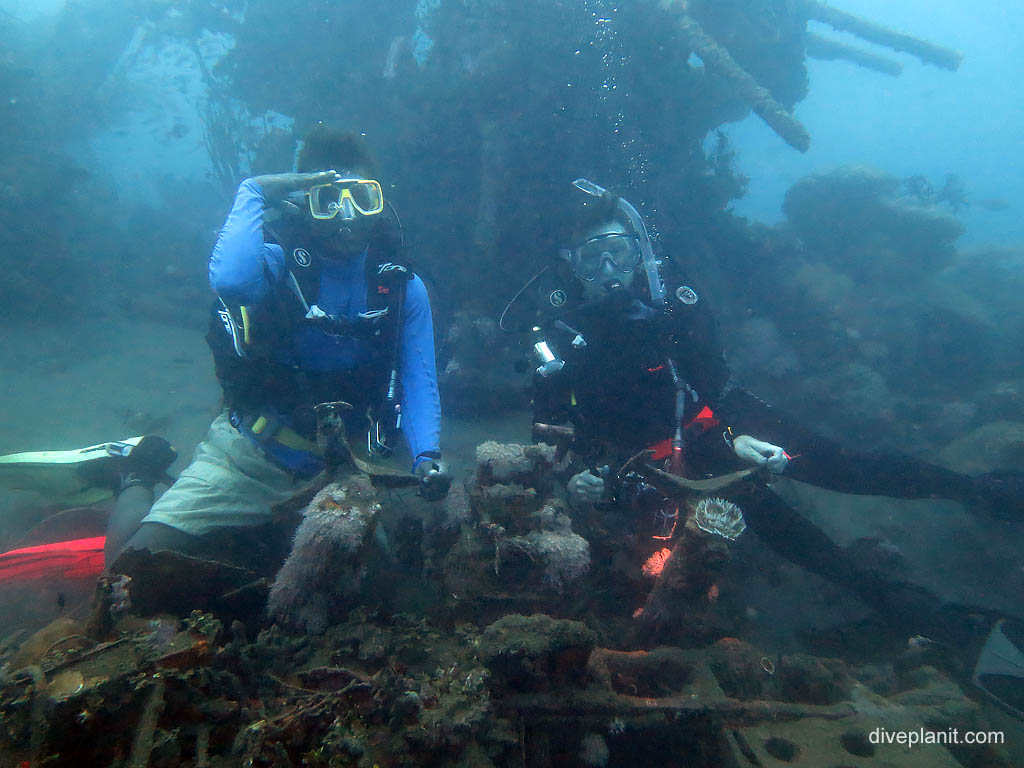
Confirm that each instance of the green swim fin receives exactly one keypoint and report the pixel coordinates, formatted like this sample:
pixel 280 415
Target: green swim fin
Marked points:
pixel 999 671
pixel 76 477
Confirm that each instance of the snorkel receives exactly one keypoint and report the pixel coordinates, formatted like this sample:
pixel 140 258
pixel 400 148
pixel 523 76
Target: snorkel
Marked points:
pixel 655 285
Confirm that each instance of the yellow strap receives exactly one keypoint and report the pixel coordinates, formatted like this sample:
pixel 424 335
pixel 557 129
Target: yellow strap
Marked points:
pixel 286 436
pixel 572 398
pixel 245 325
pixel 291 439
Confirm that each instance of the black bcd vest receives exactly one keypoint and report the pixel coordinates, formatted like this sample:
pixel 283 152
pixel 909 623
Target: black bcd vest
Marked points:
pixel 261 374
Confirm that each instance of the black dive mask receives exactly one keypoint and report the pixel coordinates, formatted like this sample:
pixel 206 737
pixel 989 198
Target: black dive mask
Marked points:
pixel 620 249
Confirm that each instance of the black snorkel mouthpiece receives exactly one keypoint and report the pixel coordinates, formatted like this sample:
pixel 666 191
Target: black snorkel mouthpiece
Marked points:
pixel 617 297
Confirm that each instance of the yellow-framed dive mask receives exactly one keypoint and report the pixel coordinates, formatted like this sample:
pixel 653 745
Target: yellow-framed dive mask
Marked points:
pixel 363 195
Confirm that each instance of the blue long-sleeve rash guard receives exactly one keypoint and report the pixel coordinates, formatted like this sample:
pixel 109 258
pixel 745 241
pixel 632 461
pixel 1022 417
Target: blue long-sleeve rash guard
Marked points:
pixel 243 270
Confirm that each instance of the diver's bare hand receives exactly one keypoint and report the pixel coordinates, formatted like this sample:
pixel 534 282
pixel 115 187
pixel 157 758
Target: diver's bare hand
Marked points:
pixel 759 452
pixel 585 487
pixel 277 186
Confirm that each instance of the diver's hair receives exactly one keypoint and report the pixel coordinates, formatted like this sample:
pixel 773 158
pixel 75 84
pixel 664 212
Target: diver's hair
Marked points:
pixel 594 212
pixel 324 149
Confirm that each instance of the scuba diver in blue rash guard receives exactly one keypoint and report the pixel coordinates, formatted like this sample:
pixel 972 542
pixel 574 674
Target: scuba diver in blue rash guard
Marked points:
pixel 628 357
pixel 313 305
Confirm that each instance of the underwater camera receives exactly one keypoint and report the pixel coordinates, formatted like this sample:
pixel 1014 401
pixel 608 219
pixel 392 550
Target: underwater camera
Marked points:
pixel 649 505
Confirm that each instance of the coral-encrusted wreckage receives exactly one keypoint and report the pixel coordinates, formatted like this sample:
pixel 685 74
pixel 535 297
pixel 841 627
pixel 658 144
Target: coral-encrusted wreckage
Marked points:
pixel 551 636
pixel 718 57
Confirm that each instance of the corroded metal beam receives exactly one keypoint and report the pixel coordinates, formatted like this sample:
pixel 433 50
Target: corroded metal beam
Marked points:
pixel 819 47
pixel 929 53
pixel 718 60
pixel 602 705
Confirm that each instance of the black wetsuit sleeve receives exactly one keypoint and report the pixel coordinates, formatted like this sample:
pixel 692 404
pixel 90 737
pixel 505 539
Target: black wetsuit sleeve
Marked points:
pixel 550 399
pixel 829 464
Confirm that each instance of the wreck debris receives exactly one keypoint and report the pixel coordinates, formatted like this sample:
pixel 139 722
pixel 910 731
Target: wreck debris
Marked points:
pixel 512 462
pixel 421 691
pixel 65 684
pixel 594 749
pixel 927 52
pixel 599 705
pixel 531 534
pixel 323 566
pixel 819 47
pixel 824 742
pixel 511 482
pixel 494 154
pixel 162 581
pixel 718 59
pixel 385 688
pixel 681 604
pixel 634 696
pixel 78 657
pixel 203 746
pixel 535 653
pixel 333 679
pixel 557 435
pixel 565 555
pixel 621 685
pixel 39 724
pixel 34 648
pixel 143 746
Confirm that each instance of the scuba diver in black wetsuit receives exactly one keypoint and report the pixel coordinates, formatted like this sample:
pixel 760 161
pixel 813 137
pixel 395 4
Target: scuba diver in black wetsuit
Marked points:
pixel 629 357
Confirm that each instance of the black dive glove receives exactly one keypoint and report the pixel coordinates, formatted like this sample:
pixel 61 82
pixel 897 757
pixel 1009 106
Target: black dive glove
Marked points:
pixel 144 463
pixel 435 479
pixel 150 460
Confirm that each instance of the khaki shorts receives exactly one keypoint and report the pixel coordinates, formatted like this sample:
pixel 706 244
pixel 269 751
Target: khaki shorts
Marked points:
pixel 229 484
